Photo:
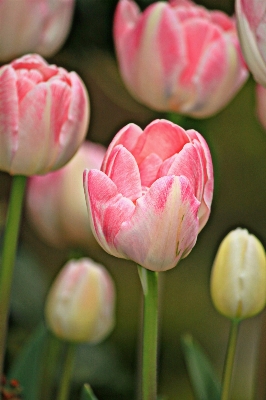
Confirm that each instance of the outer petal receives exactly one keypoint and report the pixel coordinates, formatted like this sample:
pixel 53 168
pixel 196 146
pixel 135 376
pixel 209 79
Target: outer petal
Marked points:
pixel 8 117
pixel 253 57
pixel 164 226
pixel 122 169
pixel 107 209
pixel 206 160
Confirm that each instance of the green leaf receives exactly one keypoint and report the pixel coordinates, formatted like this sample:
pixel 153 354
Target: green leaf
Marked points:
pixel 87 393
pixel 27 367
pixel 205 384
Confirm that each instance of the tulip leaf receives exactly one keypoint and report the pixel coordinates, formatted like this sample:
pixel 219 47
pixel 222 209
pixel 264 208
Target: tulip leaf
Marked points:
pixel 205 384
pixel 26 368
pixel 87 393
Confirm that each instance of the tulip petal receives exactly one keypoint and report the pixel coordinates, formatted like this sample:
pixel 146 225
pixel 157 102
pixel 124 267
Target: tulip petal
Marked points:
pixel 187 163
pixel 107 209
pixel 123 170
pixel 164 226
pixel 148 169
pixel 9 117
pixel 127 136
pixel 160 137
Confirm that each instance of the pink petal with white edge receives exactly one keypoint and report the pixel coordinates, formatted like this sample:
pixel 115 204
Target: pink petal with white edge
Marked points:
pixel 164 226
pixel 107 209
pixel 206 159
pixel 123 170
pixel 9 117
pixel 160 137
pixel 187 163
pixel 127 136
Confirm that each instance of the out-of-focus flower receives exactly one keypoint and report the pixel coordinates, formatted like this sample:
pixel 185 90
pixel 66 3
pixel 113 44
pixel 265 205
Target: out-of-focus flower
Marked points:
pixel 238 279
pixel 152 195
pixel 33 26
pixel 55 202
pixel 251 23
pixel 80 303
pixel 178 56
pixel 261 104
pixel 44 114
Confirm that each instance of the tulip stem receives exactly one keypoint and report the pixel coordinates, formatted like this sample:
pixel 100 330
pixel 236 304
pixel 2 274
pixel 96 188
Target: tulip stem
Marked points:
pixel 149 281
pixel 9 255
pixel 64 388
pixel 229 363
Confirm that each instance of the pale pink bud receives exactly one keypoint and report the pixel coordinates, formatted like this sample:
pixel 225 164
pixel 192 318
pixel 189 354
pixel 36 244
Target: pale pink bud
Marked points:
pixel 55 202
pixel 44 113
pixel 178 56
pixel 33 26
pixel 251 23
pixel 238 280
pixel 261 104
pixel 152 195
pixel 80 304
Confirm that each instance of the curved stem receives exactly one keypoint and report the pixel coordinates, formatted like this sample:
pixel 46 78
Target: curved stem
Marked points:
pixel 64 388
pixel 149 280
pixel 229 363
pixel 9 255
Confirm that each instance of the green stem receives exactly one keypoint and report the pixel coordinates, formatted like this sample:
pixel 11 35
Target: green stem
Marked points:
pixel 149 280
pixel 66 374
pixel 8 256
pixel 229 363
pixel 52 352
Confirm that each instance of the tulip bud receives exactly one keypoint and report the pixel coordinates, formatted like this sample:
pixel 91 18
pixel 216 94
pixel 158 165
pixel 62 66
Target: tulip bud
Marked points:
pixel 33 26
pixel 238 279
pixel 44 114
pixel 80 304
pixel 61 219
pixel 178 56
pixel 251 24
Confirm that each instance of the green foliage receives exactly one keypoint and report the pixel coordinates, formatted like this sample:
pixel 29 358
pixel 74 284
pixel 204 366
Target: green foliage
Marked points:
pixel 26 369
pixel 202 376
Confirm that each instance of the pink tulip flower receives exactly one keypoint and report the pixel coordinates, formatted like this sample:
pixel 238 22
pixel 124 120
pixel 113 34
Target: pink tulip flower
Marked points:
pixel 178 56
pixel 55 202
pixel 81 303
pixel 152 195
pixel 38 26
pixel 43 116
pixel 251 22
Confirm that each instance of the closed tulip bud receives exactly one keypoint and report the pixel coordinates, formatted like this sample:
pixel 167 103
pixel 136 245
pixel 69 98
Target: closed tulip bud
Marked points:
pixel 178 56
pixel 81 301
pixel 153 194
pixel 251 23
pixel 43 116
pixel 238 279
pixel 33 26
pixel 55 202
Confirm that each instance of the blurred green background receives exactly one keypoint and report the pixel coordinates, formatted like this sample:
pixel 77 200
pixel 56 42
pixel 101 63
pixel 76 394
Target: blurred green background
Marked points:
pixel 238 147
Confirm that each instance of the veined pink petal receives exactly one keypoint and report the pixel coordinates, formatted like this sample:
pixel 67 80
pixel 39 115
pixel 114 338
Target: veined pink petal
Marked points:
pixel 148 169
pixel 8 117
pixel 76 124
pixel 107 208
pixel 164 226
pixel 127 136
pixel 187 163
pixel 123 170
pixel 160 137
pixel 206 160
